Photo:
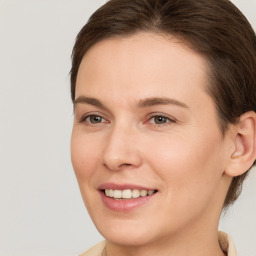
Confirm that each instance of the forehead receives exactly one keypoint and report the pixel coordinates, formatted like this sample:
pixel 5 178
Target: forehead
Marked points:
pixel 144 64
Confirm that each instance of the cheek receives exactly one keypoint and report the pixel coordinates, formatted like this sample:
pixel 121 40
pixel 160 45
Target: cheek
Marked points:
pixel 189 168
pixel 83 157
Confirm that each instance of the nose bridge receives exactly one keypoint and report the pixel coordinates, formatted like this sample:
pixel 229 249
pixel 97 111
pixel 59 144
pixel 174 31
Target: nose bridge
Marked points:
pixel 121 149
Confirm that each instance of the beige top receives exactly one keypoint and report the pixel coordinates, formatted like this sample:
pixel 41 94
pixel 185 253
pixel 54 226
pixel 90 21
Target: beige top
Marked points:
pixel 225 241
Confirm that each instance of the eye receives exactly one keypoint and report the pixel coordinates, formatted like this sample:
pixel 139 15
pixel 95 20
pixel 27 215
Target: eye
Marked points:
pixel 159 120
pixel 93 119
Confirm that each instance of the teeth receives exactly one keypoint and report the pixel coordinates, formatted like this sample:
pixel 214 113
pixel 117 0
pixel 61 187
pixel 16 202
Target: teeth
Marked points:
pixel 135 193
pixel 117 194
pixel 150 192
pixel 143 192
pixel 110 192
pixel 107 192
pixel 127 193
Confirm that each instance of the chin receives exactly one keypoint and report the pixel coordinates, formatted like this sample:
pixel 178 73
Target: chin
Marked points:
pixel 126 232
pixel 132 237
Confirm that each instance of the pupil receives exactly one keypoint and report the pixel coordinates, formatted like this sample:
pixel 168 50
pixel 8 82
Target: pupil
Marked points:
pixel 95 119
pixel 160 120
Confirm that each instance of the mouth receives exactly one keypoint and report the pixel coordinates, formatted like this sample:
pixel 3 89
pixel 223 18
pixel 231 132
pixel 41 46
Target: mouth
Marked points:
pixel 127 194
pixel 125 197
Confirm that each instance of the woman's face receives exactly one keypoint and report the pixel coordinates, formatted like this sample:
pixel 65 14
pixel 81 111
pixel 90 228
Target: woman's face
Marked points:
pixel 144 124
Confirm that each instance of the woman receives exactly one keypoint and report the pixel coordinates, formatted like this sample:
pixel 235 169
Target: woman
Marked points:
pixel 164 95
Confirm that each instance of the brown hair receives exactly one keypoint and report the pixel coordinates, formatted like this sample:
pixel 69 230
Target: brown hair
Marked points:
pixel 216 29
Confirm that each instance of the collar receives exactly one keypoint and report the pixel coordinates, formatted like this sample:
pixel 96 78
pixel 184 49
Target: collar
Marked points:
pixel 226 243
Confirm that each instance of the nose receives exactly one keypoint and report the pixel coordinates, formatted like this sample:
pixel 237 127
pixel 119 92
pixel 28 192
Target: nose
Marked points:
pixel 121 150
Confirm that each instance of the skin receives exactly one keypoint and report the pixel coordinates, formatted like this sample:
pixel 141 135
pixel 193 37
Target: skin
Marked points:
pixel 184 157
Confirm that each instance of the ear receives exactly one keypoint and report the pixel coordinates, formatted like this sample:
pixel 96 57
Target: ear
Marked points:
pixel 243 153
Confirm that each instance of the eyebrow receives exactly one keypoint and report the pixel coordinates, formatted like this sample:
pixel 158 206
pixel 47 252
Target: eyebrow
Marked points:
pixel 90 101
pixel 160 101
pixel 143 103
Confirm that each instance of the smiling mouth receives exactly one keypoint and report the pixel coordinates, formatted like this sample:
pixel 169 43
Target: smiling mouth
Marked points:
pixel 127 193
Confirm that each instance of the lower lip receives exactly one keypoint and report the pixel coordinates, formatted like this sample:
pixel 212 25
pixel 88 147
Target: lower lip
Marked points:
pixel 124 205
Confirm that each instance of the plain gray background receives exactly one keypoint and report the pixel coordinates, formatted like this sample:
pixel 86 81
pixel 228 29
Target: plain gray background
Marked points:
pixel 41 211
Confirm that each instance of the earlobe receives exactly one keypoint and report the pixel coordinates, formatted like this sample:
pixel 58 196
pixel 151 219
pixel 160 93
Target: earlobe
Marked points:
pixel 244 153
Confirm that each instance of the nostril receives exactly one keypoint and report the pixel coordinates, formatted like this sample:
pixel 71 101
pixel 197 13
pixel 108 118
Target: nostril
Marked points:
pixel 116 166
pixel 124 166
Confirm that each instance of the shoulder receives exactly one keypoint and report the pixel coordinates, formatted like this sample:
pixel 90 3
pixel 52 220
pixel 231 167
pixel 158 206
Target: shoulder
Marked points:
pixel 227 244
pixel 95 250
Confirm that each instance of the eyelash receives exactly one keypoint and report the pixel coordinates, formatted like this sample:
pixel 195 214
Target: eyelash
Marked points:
pixel 83 119
pixel 168 119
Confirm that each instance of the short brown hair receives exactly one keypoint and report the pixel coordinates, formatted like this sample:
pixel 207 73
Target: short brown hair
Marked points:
pixel 216 29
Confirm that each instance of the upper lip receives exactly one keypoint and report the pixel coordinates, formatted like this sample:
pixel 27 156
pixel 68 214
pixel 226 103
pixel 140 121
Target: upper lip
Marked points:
pixel 116 186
